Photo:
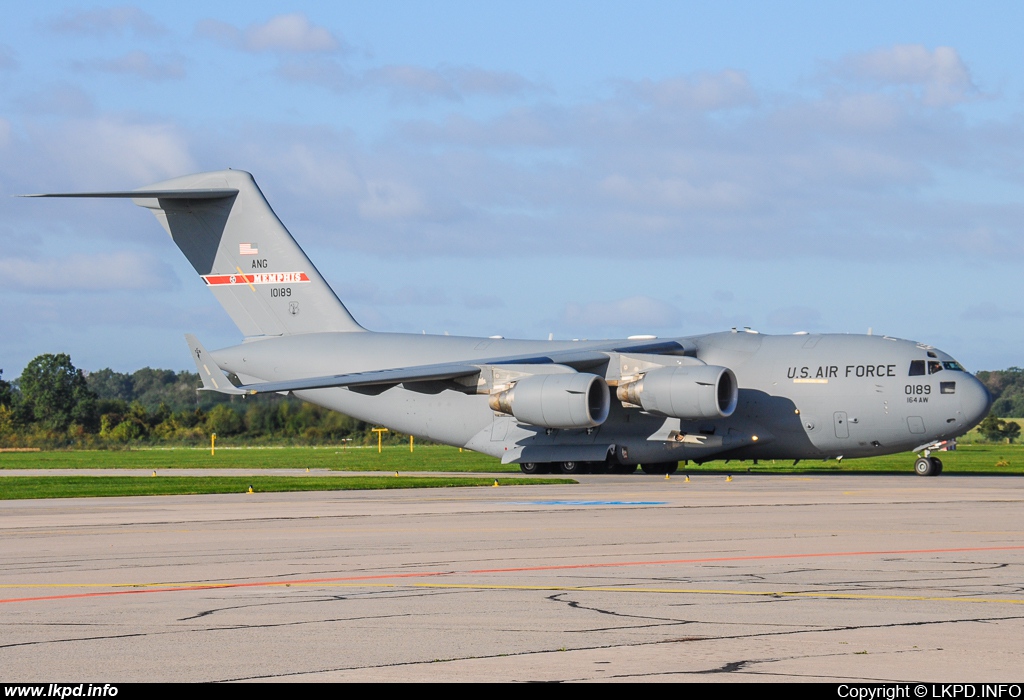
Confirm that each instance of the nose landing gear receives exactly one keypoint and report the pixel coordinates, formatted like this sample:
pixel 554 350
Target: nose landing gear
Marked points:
pixel 928 466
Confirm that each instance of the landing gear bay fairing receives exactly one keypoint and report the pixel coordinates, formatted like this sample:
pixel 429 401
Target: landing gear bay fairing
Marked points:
pixel 551 405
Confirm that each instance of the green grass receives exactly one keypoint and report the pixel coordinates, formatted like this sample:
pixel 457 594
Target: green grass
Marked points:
pixel 17 487
pixel 968 459
pixel 437 458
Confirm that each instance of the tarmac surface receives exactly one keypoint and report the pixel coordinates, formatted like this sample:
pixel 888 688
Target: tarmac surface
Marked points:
pixel 861 578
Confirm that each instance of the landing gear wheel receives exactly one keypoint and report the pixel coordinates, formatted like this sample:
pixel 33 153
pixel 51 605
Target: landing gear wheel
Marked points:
pixel 573 467
pixel 530 468
pixel 938 465
pixel 926 466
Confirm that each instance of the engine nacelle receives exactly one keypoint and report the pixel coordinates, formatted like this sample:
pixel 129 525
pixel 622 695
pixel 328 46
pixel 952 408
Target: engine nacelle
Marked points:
pixel 689 392
pixel 556 400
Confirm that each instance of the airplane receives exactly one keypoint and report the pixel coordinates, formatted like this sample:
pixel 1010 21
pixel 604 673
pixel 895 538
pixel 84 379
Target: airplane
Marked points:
pixel 568 406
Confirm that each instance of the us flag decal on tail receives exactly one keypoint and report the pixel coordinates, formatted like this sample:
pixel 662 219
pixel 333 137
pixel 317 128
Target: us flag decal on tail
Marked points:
pixel 248 249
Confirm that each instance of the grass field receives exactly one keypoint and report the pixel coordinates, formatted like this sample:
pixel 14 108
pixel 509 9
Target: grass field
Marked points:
pixel 969 459
pixel 976 459
pixel 17 487
pixel 396 458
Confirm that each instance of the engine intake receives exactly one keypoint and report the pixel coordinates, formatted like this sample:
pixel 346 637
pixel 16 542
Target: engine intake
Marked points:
pixel 556 400
pixel 689 392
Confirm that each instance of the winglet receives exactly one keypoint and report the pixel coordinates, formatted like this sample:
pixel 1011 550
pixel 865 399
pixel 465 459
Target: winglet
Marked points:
pixel 211 382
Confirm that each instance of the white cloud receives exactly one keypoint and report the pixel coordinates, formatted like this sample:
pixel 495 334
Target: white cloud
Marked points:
pixel 292 33
pixel 406 83
pixel 121 271
pixel 324 72
pixel 102 22
pixel 141 65
pixel 676 193
pixel 703 91
pixel 940 73
pixel 413 82
pixel 88 151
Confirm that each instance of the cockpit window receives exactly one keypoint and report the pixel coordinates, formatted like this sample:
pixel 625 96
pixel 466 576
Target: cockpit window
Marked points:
pixel 955 366
pixel 934 367
pixel 916 368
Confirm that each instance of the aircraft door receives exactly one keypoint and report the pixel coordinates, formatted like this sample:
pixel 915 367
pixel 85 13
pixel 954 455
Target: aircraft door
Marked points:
pixel 842 428
pixel 916 425
pixel 499 428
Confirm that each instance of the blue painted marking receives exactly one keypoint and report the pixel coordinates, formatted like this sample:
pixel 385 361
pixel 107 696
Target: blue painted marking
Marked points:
pixel 589 503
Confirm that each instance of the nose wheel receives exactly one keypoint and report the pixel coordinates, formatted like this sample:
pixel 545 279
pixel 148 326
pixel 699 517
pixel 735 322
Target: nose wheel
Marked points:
pixel 928 466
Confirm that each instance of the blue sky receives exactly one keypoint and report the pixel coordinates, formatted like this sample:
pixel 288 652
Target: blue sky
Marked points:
pixel 581 169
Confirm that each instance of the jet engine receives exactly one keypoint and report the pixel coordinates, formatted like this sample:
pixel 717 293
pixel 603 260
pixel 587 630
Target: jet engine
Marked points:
pixel 556 400
pixel 689 392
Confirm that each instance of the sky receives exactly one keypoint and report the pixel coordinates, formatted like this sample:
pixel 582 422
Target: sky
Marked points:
pixel 573 169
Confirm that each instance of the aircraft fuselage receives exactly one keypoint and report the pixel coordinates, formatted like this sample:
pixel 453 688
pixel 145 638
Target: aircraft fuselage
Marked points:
pixel 805 396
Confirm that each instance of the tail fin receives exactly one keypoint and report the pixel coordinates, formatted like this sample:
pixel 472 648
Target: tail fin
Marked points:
pixel 253 266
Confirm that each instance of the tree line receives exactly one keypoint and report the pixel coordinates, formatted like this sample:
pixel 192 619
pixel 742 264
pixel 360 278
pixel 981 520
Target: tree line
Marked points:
pixel 55 404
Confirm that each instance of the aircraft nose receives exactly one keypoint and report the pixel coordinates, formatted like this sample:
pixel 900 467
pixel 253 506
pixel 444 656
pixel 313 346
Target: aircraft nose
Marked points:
pixel 975 401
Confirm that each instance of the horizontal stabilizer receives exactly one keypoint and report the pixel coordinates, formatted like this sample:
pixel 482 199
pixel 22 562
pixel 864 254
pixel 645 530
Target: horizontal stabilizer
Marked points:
pixel 207 193
pixel 212 380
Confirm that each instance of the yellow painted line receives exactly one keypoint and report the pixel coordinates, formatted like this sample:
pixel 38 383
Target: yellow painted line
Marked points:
pixel 797 381
pixel 698 591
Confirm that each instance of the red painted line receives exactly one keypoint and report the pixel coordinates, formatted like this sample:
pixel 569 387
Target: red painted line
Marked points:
pixel 553 567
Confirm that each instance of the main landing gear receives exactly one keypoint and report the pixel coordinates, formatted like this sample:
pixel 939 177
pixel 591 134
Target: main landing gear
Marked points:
pixel 928 466
pixel 563 467
pixel 607 467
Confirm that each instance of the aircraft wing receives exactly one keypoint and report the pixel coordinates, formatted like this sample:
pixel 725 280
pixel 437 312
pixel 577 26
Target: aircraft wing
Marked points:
pixel 576 359
pixel 421 373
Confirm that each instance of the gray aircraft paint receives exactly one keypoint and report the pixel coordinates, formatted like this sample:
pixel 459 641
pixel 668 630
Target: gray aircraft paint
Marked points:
pixel 800 397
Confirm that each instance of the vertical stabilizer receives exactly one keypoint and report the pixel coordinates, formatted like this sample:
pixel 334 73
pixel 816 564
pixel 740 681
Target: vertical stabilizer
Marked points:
pixel 242 251
pixel 246 256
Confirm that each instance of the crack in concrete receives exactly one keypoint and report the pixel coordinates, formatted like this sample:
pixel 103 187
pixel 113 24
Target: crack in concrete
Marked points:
pixel 843 628
pixel 320 598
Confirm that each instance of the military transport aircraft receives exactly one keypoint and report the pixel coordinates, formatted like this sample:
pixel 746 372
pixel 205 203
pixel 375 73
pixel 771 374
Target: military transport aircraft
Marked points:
pixel 546 405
